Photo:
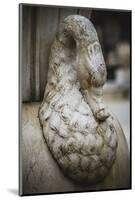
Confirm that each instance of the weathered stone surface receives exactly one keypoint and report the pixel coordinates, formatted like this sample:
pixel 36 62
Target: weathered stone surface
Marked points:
pixel 78 129
pixel 41 173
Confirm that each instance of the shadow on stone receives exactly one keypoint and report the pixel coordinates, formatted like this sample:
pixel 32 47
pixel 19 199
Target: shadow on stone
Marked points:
pixel 13 191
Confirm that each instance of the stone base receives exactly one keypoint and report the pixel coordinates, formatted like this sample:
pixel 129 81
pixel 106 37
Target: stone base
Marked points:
pixel 41 174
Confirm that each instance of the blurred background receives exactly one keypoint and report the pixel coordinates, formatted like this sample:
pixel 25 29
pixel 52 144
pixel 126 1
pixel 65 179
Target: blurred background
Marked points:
pixel 114 31
pixel 38 26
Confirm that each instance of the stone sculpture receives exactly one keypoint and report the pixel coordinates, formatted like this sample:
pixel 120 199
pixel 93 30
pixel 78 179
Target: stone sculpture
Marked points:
pixel 77 127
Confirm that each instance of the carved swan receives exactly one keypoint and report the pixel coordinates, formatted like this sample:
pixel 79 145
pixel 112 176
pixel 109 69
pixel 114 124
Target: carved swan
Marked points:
pixel 77 127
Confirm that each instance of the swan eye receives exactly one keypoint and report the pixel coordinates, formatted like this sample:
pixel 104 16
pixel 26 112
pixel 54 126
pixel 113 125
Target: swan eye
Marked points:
pixel 90 50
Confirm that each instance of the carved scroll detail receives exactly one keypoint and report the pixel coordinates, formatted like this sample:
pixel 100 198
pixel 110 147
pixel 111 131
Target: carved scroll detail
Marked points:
pixel 77 127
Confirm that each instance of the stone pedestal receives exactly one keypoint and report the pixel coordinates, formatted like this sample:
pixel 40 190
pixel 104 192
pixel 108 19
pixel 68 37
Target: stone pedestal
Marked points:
pixel 41 173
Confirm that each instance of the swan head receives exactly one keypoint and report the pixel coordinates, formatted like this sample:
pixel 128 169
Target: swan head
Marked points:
pixel 90 64
pixel 91 68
